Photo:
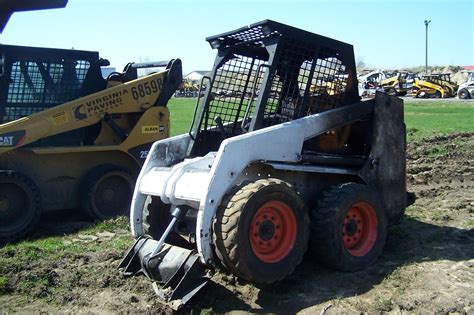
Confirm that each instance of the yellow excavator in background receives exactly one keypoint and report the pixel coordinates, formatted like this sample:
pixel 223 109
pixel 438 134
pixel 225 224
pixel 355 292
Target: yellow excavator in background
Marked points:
pixel 68 137
pixel 395 84
pixel 444 79
pixel 429 87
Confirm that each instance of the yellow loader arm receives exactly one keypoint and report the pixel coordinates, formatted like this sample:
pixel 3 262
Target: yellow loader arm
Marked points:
pixel 131 97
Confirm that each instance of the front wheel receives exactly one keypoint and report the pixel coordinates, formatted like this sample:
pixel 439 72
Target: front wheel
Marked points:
pixel 463 94
pixel 20 206
pixel 261 232
pixel 348 227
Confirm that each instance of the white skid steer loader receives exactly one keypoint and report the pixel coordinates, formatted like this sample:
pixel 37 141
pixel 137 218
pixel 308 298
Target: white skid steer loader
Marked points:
pixel 281 154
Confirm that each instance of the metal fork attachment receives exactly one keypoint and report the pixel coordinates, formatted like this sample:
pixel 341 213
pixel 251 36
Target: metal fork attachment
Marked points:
pixel 177 269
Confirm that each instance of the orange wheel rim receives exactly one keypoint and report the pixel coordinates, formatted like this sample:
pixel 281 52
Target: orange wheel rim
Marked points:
pixel 359 229
pixel 273 231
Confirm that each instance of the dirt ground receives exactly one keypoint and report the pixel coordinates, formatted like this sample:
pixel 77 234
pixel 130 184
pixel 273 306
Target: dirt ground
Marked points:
pixel 427 265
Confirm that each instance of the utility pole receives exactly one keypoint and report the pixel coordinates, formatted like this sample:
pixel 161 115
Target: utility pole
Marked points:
pixel 426 50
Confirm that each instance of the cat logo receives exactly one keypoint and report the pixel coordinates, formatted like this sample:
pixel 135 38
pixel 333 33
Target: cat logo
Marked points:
pixel 12 139
pixel 6 141
pixel 153 129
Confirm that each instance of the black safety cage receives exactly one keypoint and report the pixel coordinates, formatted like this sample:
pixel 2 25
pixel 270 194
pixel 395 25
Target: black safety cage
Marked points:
pixel 269 73
pixel 35 79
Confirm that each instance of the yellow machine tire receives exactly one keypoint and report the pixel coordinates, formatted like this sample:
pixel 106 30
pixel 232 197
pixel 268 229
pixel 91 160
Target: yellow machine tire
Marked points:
pixel 106 192
pixel 18 195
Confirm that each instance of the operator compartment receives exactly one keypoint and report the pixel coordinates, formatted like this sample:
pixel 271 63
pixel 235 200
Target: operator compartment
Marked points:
pixel 269 74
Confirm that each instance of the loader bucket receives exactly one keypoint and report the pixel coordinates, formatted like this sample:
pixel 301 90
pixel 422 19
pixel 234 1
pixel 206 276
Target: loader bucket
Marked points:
pixel 177 269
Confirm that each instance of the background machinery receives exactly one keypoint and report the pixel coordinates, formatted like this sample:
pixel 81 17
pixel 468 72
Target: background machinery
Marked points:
pixel 466 89
pixel 444 79
pixel 270 170
pixel 429 87
pixel 69 137
pixel 395 84
pixel 369 82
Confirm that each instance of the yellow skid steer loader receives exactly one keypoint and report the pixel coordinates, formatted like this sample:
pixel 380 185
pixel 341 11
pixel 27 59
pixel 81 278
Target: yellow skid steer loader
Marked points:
pixel 70 138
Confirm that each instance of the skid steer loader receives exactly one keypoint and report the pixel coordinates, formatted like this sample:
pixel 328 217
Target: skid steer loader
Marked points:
pixel 428 87
pixel 466 89
pixel 70 138
pixel 271 170
pixel 395 84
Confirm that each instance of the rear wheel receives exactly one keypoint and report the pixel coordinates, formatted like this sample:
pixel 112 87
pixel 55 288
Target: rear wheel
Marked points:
pixel 20 206
pixel 463 94
pixel 107 192
pixel 348 227
pixel 261 231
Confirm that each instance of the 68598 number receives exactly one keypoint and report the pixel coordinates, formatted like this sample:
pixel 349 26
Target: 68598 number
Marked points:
pixel 147 88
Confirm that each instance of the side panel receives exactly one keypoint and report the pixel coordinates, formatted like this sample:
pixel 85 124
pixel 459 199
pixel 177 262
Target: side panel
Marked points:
pixel 385 169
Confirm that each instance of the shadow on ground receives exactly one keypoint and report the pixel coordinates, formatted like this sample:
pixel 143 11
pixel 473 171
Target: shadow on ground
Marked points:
pixel 312 284
pixel 58 223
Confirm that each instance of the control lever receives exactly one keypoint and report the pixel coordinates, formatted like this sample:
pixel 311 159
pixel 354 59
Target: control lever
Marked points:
pixel 218 121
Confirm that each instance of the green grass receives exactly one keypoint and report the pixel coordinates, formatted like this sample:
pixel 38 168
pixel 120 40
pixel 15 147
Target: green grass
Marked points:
pixel 424 119
pixel 181 110
pixel 3 283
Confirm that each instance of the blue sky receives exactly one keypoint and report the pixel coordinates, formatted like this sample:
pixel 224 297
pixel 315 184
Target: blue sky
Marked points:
pixel 387 34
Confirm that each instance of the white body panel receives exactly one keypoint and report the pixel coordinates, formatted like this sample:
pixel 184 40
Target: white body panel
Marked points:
pixel 204 181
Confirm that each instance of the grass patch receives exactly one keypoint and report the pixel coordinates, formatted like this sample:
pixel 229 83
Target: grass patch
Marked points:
pixel 3 284
pixel 425 119
pixel 181 113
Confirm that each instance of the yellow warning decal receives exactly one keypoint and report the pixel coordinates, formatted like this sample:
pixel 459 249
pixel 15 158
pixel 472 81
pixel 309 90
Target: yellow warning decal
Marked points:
pixel 153 129
pixel 59 118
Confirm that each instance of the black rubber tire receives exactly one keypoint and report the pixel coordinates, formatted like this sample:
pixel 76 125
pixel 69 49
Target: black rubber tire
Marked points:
pixel 118 198
pixel 464 94
pixel 392 91
pixel 327 220
pixel 30 202
pixel 232 231
pixel 155 217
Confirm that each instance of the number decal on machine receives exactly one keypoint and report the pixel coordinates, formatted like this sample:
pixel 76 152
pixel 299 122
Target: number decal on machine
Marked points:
pixel 143 154
pixel 147 88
